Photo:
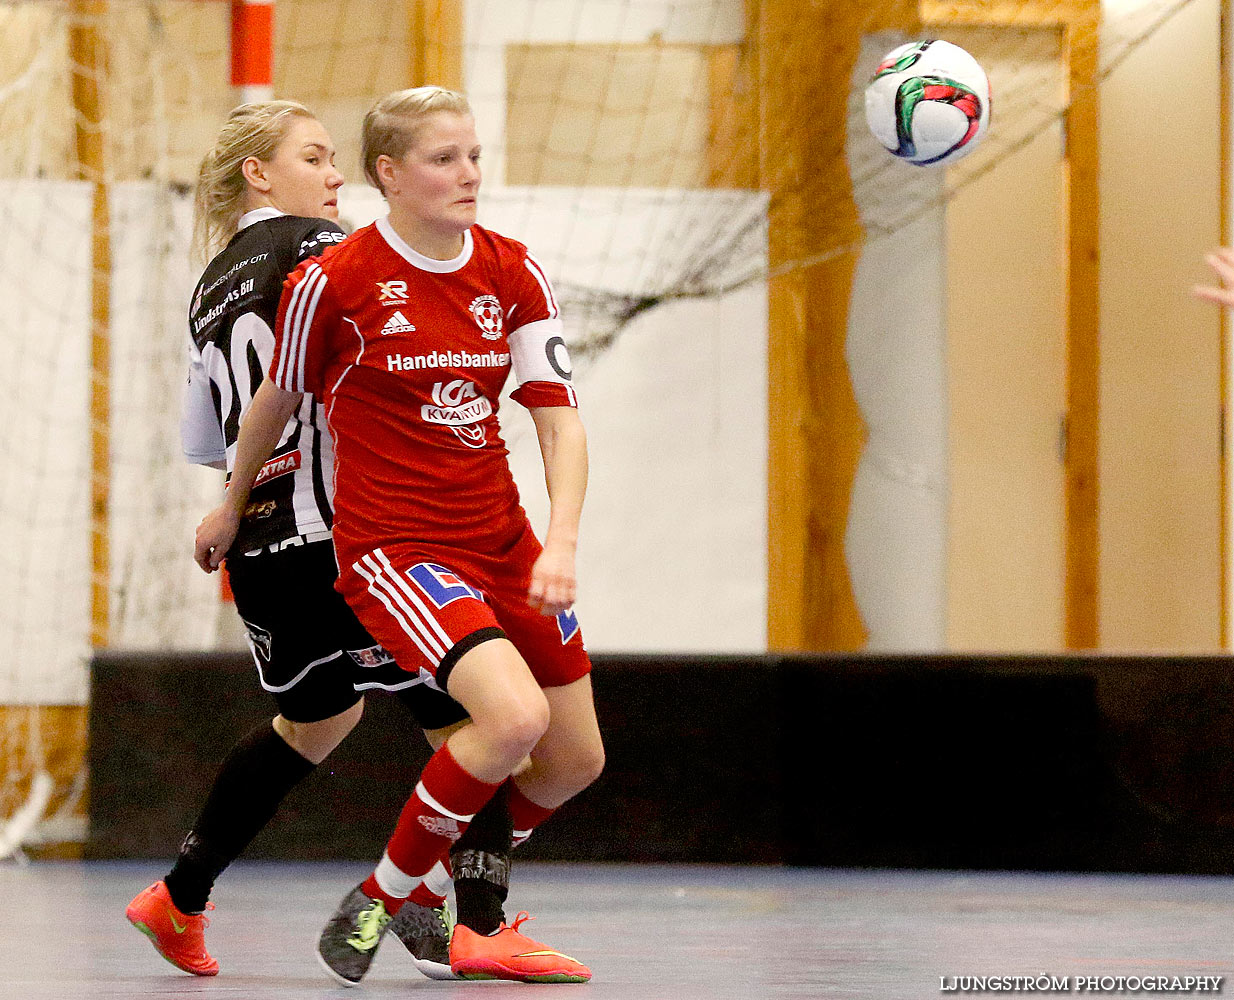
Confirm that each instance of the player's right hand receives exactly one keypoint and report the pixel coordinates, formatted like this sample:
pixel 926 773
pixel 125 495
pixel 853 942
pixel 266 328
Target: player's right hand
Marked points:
pixel 1221 261
pixel 553 584
pixel 214 537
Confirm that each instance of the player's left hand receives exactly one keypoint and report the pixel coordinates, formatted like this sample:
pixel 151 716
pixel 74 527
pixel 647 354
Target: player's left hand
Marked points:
pixel 553 582
pixel 1222 262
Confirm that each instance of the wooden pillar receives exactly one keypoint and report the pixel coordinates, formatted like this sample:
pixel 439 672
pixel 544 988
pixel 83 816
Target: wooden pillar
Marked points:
pixel 805 55
pixel 89 64
pixel 437 43
pixel 1083 329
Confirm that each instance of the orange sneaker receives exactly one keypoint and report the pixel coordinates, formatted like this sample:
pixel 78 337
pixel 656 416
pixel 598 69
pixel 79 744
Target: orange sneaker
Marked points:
pixel 178 937
pixel 507 954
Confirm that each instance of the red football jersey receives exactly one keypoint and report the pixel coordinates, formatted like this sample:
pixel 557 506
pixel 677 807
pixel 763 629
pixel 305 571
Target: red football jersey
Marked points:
pixel 409 356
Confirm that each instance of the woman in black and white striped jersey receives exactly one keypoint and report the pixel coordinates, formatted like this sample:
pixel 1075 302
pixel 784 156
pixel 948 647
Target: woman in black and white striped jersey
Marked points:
pixel 267 199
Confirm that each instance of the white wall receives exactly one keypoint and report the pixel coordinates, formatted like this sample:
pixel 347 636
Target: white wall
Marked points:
pixel 44 452
pixel 673 554
pixel 895 543
pixel 159 598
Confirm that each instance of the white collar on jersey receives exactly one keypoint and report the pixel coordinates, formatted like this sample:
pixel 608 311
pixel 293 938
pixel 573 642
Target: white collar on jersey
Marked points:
pixel 258 215
pixel 417 259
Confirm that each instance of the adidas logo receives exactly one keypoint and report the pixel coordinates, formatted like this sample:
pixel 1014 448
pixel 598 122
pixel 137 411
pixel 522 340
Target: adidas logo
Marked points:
pixel 441 826
pixel 397 324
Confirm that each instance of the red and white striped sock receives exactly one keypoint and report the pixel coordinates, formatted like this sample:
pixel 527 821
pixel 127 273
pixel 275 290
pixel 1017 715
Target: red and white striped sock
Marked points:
pixel 394 887
pixel 445 800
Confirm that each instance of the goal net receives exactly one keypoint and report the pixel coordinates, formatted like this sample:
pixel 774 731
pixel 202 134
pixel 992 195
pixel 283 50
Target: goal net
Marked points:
pixel 619 143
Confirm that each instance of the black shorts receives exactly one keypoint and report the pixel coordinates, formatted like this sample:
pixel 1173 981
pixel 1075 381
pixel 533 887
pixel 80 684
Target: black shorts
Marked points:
pixel 312 654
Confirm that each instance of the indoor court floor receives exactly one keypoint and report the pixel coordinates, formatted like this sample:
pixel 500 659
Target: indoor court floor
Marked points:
pixel 648 931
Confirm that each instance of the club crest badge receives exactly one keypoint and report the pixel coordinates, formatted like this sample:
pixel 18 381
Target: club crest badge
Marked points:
pixel 487 312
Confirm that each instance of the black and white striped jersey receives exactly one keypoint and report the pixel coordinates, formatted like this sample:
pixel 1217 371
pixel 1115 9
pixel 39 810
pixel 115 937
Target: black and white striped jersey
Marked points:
pixel 231 342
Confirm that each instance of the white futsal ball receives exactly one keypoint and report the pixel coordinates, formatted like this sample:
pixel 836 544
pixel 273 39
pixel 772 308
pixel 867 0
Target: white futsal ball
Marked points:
pixel 928 102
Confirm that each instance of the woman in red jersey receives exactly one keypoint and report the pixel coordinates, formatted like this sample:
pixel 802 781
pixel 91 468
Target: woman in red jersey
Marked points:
pixel 407 332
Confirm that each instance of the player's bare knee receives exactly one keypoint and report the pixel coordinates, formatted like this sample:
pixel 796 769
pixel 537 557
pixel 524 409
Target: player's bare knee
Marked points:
pixel 518 732
pixel 315 741
pixel 590 765
pixel 436 737
pixel 345 721
pixel 521 734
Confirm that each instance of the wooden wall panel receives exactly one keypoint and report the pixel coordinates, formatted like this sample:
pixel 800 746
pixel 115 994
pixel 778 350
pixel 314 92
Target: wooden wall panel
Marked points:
pixel 1081 21
pixel 437 43
pixel 732 135
pixel 1161 561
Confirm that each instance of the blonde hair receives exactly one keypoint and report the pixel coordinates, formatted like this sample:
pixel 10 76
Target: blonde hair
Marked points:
pixel 251 130
pixel 392 124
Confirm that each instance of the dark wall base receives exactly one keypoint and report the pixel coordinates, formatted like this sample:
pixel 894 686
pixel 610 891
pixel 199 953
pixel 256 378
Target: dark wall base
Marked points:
pixel 1096 763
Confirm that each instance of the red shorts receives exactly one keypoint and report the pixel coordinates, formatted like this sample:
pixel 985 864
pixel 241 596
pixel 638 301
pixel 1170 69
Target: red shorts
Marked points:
pixel 429 604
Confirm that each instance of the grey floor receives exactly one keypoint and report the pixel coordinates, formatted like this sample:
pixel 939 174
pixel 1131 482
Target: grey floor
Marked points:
pixel 677 933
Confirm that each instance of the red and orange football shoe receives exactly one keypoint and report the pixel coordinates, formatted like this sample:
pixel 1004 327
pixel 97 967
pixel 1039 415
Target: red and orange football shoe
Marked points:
pixel 507 954
pixel 178 937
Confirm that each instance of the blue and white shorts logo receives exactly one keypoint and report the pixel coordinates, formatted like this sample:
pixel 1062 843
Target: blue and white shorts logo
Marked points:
pixel 567 625
pixel 440 585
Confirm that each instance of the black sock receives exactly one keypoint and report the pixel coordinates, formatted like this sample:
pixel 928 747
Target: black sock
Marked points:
pixel 256 776
pixel 480 860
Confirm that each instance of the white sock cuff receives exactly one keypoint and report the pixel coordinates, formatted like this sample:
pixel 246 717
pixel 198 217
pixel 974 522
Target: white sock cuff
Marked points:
pixel 432 803
pixel 393 880
pixel 437 880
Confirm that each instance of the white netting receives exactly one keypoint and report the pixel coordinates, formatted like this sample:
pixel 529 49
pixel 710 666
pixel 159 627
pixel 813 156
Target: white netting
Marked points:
pixel 615 133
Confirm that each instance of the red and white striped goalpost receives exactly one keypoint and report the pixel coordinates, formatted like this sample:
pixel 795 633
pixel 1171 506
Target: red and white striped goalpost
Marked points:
pixel 252 49
pixel 252 77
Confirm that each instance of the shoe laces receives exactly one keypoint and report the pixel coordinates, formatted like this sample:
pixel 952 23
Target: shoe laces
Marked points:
pixel 205 921
pixel 370 922
pixel 522 917
pixel 446 917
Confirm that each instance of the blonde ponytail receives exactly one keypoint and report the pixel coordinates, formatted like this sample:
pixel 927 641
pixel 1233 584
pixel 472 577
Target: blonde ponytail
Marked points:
pixel 218 200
